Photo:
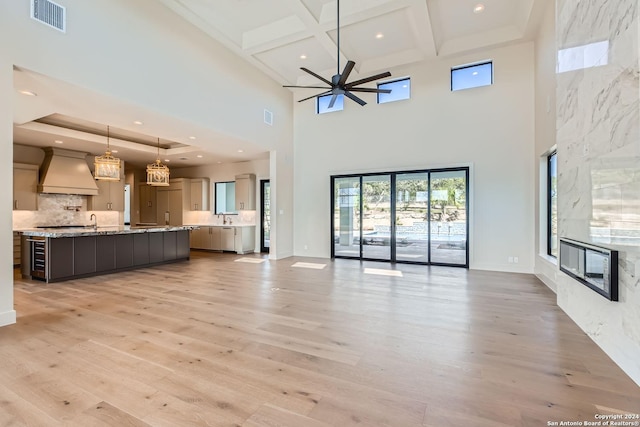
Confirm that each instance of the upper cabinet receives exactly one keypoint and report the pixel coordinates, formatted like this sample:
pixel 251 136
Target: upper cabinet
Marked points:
pixel 110 195
pixel 199 194
pixel 246 192
pixel 25 183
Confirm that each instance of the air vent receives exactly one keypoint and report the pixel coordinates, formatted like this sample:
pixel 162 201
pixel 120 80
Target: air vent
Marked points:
pixel 268 117
pixel 49 13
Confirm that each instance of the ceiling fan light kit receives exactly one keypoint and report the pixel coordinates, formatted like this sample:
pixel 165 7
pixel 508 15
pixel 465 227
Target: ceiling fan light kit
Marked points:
pixel 338 84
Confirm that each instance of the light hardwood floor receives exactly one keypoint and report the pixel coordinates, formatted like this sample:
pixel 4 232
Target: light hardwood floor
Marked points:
pixel 215 342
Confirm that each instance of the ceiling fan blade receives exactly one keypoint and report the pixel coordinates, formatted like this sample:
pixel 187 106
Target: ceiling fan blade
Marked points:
pixel 345 74
pixel 306 70
pixel 368 79
pixel 333 101
pixel 355 98
pixel 369 90
pixel 309 87
pixel 315 96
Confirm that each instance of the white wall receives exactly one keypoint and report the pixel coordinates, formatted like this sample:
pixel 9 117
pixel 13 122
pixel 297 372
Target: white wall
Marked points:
pixel 7 313
pixel 490 128
pixel 545 138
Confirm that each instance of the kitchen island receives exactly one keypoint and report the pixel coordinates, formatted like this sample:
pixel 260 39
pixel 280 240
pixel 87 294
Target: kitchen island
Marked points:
pixel 54 255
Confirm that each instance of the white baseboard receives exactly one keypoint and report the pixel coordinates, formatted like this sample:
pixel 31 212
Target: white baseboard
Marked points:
pixel 8 318
pixel 506 268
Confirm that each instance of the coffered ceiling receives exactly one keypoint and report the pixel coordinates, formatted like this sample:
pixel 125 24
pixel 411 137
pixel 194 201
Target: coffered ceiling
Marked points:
pixel 281 36
pixel 277 37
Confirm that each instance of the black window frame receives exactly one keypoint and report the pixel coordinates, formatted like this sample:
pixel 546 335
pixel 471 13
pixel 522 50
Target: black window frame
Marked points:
pixel 215 198
pixel 393 174
pixel 403 79
pixel 549 204
pixel 464 67
pixel 332 111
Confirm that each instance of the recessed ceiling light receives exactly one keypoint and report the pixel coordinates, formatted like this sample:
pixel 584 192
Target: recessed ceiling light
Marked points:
pixel 114 151
pixel 57 141
pixel 137 122
pixel 28 93
pixel 219 162
pixel 192 137
pixel 379 36
pixel 479 8
pixel 199 156
pixel 303 56
pixel 240 151
pixel 167 160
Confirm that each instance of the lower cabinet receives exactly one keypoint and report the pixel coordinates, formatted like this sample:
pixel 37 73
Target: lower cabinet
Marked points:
pixel 228 238
pixel 69 257
pixel 141 249
pixel 231 239
pixel 105 253
pixel 245 240
pixel 206 238
pixel 124 251
pixel 60 258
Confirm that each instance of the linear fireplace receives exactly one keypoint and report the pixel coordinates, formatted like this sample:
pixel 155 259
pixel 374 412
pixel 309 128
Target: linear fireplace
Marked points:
pixel 594 266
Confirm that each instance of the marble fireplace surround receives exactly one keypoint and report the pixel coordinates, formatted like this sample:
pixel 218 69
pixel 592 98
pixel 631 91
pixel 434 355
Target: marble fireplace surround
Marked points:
pixel 598 140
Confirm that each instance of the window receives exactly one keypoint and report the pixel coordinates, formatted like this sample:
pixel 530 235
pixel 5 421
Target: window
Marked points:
pixel 470 76
pixel 400 89
pixel 322 104
pixel 552 204
pixel 225 197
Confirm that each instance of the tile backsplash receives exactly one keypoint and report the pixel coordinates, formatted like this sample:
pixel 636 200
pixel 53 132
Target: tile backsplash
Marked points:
pixel 62 209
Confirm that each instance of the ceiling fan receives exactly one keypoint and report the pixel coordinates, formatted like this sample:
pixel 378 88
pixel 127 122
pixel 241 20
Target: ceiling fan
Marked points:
pixel 338 84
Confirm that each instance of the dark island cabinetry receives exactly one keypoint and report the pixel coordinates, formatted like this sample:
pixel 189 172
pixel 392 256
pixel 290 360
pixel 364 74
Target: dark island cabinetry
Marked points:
pixel 89 255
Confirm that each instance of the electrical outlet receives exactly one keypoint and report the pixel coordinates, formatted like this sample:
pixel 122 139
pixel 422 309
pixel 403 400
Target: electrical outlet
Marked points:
pixel 510 260
pixel 515 259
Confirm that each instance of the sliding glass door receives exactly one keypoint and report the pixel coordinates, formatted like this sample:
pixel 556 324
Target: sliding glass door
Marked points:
pixel 448 207
pixel 376 217
pixel 412 217
pixel 412 210
pixel 346 217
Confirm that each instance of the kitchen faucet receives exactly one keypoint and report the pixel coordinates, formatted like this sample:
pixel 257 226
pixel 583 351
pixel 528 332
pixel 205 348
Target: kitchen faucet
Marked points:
pixel 95 221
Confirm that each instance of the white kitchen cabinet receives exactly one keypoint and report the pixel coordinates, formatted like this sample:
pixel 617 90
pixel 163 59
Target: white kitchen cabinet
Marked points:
pixel 246 192
pixel 206 238
pixel 199 194
pixel 228 239
pixel 25 183
pixel 245 240
pixel 110 194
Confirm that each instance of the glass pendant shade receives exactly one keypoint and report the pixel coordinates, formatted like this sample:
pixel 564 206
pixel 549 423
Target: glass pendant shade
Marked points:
pixel 107 167
pixel 157 173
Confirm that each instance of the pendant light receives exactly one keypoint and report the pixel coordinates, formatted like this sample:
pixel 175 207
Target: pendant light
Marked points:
pixel 157 173
pixel 107 167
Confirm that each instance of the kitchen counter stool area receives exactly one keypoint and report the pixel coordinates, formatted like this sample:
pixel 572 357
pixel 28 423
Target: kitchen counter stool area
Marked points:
pixel 55 257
